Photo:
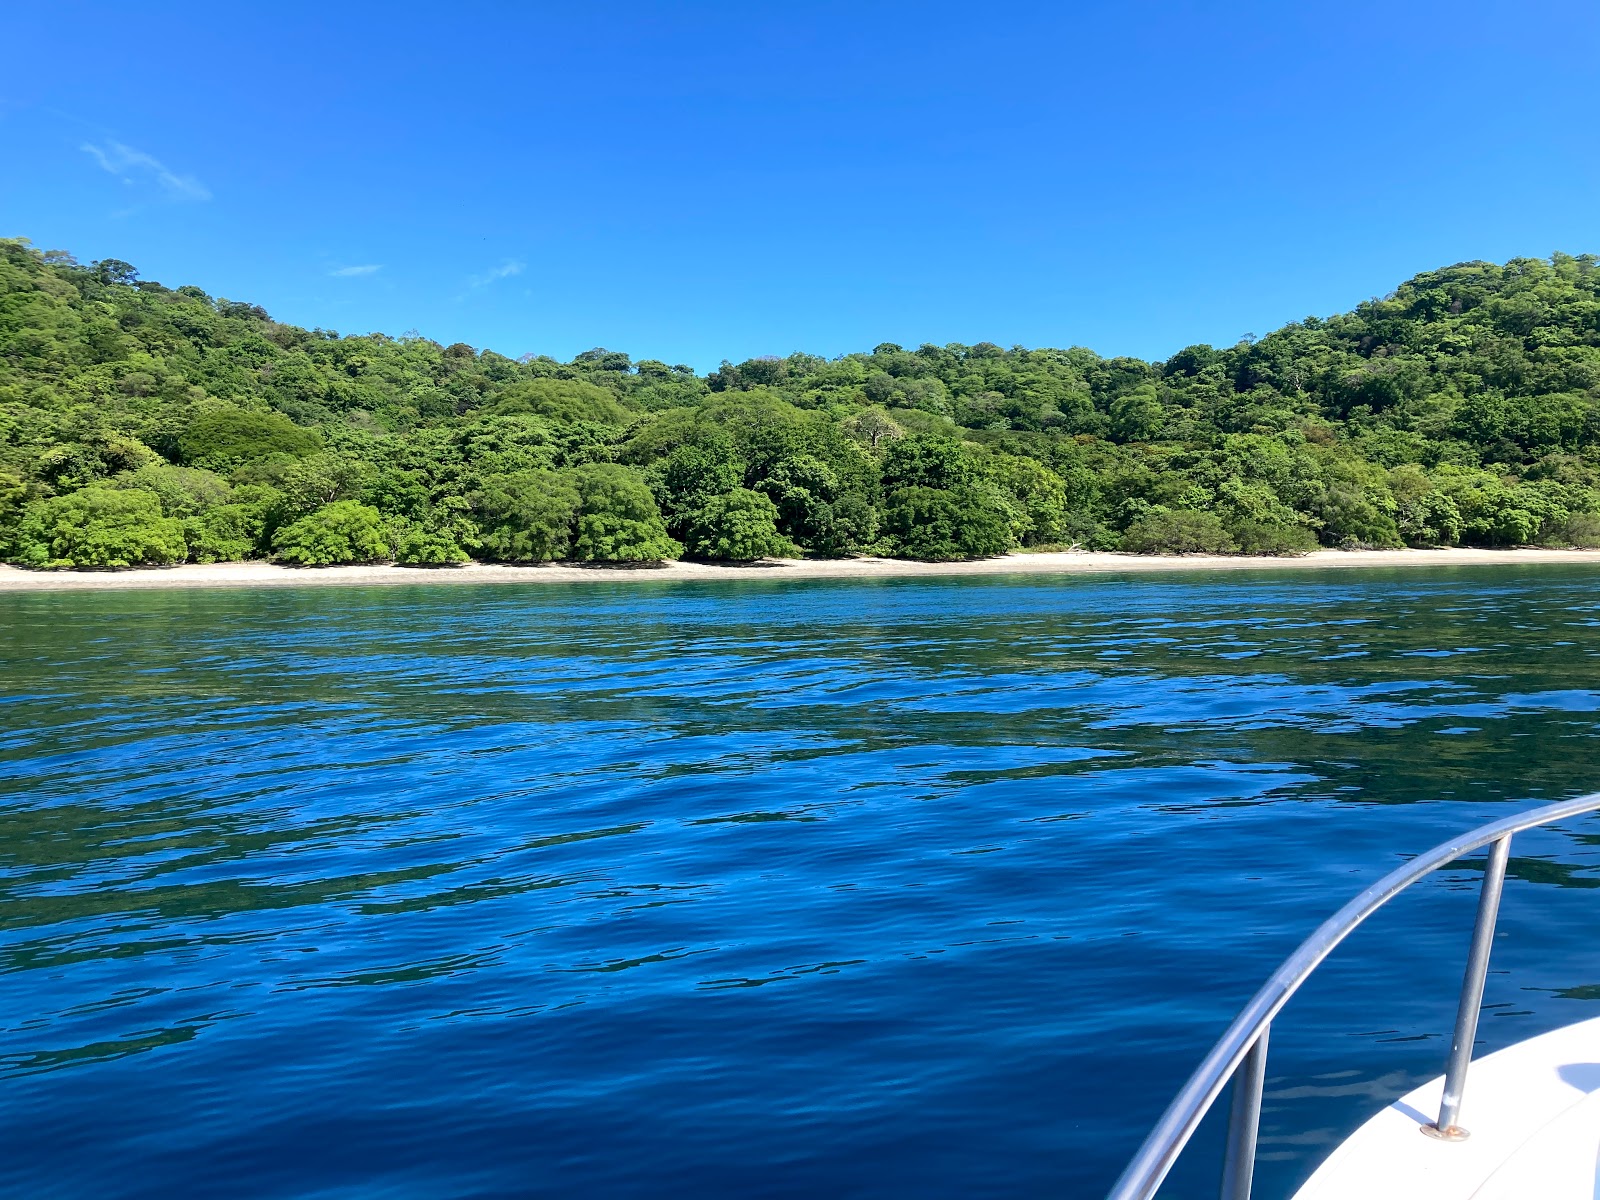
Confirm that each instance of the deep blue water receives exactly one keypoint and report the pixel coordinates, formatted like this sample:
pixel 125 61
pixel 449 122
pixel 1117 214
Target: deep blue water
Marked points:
pixel 910 887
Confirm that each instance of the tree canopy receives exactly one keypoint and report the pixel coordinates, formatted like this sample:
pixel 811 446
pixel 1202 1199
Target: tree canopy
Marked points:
pixel 142 424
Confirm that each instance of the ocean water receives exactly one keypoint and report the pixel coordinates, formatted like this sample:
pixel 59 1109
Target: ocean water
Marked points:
pixel 906 887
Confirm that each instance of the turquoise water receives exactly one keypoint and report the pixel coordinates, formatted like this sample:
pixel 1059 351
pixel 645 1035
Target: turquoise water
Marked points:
pixel 885 888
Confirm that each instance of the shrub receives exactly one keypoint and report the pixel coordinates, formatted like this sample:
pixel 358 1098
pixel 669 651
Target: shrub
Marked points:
pixel 342 532
pixel 1267 537
pixel 739 525
pixel 99 527
pixel 1579 529
pixel 1168 531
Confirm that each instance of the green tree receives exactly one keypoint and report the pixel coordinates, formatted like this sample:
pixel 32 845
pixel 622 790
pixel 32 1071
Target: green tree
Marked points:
pixel 1424 516
pixel 618 520
pixel 1037 494
pixel 488 446
pixel 13 500
pixel 526 516
pixel 738 525
pixel 1495 511
pixel 816 506
pixel 184 491
pixel 1353 502
pixel 928 461
pixel 221 438
pixel 419 544
pixel 398 491
pixel 99 526
pixel 562 400
pixel 850 522
pixel 226 533
pixel 96 456
pixel 237 530
pixel 1463 405
pixel 1137 416
pixel 321 479
pixel 693 473
pixel 941 524
pixel 345 531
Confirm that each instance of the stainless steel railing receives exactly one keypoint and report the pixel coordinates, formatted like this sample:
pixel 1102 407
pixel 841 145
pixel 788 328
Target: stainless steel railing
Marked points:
pixel 1241 1053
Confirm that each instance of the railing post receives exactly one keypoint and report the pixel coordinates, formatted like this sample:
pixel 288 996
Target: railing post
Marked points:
pixel 1244 1120
pixel 1455 1075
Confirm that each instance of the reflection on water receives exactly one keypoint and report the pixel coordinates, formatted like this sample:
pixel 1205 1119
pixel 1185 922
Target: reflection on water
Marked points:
pixel 904 887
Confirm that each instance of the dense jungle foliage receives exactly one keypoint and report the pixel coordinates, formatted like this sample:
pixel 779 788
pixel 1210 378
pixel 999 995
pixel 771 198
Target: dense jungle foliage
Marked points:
pixel 141 424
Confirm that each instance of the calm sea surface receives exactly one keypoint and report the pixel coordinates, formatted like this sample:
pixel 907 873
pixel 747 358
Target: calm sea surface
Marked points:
pixel 932 888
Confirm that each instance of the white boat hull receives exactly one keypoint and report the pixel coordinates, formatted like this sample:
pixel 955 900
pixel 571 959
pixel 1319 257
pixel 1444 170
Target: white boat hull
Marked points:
pixel 1533 1113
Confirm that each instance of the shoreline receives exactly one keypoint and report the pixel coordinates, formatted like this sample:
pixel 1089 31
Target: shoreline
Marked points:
pixel 261 574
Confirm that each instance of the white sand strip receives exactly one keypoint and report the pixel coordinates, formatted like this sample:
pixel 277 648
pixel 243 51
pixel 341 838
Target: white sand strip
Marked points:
pixel 255 574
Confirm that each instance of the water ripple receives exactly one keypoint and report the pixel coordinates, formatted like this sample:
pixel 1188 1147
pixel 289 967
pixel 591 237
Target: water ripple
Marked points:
pixel 912 887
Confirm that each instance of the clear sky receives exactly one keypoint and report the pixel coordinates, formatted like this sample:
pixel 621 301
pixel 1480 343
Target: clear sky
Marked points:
pixel 694 181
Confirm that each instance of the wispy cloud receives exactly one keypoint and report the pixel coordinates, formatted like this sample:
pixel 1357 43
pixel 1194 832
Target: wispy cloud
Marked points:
pixel 353 272
pixel 129 165
pixel 504 271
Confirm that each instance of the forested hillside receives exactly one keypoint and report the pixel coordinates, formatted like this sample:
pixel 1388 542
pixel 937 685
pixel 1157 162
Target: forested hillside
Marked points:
pixel 142 424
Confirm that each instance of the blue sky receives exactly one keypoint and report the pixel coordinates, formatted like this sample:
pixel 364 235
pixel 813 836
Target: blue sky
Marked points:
pixel 698 181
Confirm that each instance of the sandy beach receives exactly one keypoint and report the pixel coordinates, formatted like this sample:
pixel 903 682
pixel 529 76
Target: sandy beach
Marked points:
pixel 258 574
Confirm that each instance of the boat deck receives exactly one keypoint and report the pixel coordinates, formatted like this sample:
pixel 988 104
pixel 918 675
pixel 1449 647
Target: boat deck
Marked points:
pixel 1533 1113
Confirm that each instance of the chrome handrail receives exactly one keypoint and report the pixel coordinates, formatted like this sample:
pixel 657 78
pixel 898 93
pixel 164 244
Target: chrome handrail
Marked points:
pixel 1245 1041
